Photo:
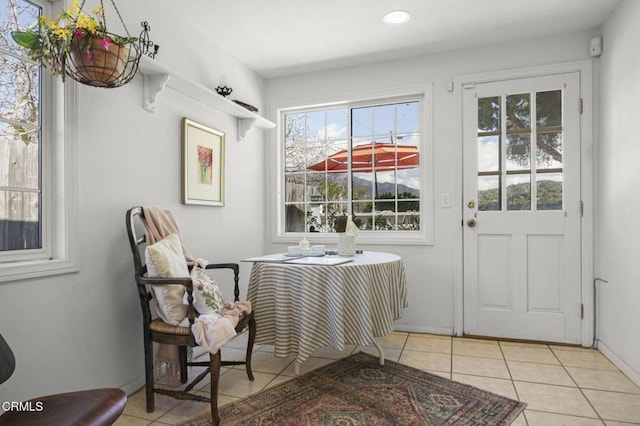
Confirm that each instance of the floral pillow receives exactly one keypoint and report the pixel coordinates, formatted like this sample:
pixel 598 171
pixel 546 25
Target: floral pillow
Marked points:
pixel 166 259
pixel 207 297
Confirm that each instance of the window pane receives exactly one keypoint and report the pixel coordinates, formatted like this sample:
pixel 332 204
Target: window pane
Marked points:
pixel 518 152
pixel 26 13
pixel 549 108
pixel 294 188
pixel 19 94
pixel 384 120
pixel 518 112
pixel 295 218
pixel 489 193
pixel 549 150
pixel 489 153
pixel 518 192
pixel 408 118
pixel 362 122
pixel 19 220
pixel 489 114
pixel 549 191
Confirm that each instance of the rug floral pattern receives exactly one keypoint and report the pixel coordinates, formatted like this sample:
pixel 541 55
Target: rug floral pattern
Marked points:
pixel 358 391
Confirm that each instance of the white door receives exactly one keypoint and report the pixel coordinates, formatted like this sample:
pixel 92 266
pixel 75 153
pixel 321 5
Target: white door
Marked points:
pixel 522 208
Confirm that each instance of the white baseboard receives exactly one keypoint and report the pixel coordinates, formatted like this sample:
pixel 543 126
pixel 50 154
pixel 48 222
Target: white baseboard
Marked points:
pixel 629 371
pixel 134 386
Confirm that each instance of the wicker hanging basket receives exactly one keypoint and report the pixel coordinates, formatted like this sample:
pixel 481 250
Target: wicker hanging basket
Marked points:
pixel 97 65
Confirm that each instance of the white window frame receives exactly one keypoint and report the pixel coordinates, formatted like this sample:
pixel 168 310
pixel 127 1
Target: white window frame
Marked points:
pixel 59 252
pixel 423 93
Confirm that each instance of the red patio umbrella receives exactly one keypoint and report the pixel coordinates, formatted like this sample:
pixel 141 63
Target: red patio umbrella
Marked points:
pixel 373 157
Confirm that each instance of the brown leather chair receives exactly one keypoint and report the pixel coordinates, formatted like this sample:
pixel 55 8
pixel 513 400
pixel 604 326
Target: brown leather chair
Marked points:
pixel 156 330
pixel 89 407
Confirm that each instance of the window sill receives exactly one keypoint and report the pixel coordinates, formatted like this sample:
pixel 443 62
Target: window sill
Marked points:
pixel 408 239
pixel 20 270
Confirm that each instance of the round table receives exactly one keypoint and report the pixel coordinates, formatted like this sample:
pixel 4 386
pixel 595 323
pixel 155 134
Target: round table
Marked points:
pixel 302 307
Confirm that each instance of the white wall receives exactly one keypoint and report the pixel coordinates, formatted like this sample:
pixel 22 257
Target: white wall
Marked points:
pixel 83 330
pixel 431 270
pixel 617 226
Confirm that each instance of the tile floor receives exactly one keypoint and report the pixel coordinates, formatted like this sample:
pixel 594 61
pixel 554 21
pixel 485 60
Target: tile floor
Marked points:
pixel 562 385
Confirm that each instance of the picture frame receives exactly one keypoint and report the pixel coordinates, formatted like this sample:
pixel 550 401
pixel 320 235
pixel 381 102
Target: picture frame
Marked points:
pixel 202 164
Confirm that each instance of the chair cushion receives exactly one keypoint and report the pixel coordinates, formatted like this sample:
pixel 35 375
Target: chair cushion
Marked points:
pixel 207 297
pixel 166 259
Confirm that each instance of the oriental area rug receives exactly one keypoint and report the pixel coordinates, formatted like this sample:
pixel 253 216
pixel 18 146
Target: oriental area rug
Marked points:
pixel 357 390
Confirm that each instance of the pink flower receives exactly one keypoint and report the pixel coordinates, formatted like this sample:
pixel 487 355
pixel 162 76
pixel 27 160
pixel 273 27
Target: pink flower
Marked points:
pixel 105 43
pixel 79 33
pixel 89 55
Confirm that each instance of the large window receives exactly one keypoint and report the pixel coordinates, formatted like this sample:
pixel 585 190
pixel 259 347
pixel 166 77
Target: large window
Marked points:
pixel 20 135
pixel 362 160
pixel 37 156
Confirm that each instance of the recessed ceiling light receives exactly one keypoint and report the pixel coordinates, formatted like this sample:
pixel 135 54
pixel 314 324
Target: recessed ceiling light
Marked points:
pixel 396 17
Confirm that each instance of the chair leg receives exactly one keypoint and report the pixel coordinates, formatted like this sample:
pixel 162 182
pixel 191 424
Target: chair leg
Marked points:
pixel 252 338
pixel 215 361
pixel 148 373
pixel 182 354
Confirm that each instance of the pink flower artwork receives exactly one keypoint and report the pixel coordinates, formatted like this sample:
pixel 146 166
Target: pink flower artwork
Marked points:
pixel 205 160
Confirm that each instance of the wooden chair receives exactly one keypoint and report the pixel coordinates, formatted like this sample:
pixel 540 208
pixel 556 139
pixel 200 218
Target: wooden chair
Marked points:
pixel 156 330
pixel 88 407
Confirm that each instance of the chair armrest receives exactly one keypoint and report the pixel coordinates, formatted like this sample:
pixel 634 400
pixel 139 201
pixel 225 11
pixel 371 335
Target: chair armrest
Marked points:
pixel 236 276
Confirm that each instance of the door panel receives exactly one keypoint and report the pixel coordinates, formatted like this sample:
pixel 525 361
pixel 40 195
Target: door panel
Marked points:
pixel 521 159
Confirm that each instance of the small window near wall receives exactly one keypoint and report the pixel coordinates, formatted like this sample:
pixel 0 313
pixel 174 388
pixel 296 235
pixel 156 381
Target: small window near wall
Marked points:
pixel 363 160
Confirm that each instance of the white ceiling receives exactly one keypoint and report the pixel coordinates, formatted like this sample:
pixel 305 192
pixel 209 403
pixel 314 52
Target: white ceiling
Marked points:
pixel 283 37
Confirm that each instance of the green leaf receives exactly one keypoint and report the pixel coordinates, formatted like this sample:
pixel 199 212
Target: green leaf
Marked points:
pixel 28 39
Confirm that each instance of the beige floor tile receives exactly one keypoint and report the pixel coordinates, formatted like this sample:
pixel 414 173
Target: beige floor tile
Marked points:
pixel 498 386
pixel 530 354
pixel 309 365
pixel 431 336
pixel 570 348
pixel 331 353
pixel 125 420
pixel 235 383
pixel 554 399
pixel 612 423
pixel 584 359
pixel 394 340
pixel 521 420
pixel 428 344
pixel 266 362
pixel 184 410
pixel 426 361
pixel 539 373
pixel 476 340
pixel 539 418
pixel 620 407
pixel 608 380
pixel 479 366
pixel 137 405
pixel 390 354
pixel 479 349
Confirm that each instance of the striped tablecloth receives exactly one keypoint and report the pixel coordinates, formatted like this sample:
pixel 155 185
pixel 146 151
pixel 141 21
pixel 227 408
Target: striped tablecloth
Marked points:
pixel 300 308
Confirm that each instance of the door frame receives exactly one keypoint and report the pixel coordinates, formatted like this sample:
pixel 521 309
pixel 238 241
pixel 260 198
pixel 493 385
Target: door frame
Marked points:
pixel 587 130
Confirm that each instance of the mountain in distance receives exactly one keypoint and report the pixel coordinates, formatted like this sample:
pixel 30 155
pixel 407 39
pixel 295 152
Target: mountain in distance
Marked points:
pixel 366 186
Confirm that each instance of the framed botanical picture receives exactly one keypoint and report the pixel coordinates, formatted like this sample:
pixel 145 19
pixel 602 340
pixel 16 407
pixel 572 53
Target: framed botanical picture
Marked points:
pixel 202 164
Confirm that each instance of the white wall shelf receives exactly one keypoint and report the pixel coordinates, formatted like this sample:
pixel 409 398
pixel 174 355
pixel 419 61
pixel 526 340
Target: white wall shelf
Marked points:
pixel 157 76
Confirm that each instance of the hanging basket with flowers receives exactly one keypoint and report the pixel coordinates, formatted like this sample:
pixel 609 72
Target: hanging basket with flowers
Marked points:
pixel 78 45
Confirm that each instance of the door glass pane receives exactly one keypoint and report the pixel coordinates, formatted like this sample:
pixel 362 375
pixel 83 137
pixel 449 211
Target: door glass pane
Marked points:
pixel 518 112
pixel 489 153
pixel 549 108
pixel 518 152
pixel 489 114
pixel 549 150
pixel 489 193
pixel 549 191
pixel 518 192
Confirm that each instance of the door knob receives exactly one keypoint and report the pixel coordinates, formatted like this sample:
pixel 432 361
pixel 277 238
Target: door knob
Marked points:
pixel 471 223
pixel 471 204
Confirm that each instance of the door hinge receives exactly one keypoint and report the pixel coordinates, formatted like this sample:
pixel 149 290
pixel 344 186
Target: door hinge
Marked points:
pixel 582 311
pixel 581 105
pixel 581 208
